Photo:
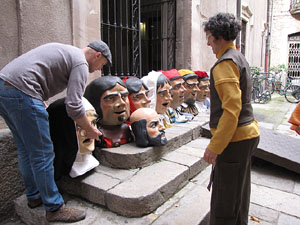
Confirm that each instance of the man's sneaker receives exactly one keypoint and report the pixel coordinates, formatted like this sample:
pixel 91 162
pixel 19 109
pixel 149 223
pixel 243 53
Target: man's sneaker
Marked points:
pixel 33 203
pixel 65 214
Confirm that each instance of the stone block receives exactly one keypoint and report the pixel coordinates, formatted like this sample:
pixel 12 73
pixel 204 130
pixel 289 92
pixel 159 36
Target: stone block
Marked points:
pixel 263 213
pixel 286 219
pixel 195 164
pixel 270 175
pixel 205 130
pixel 147 190
pixel 120 174
pixel 279 149
pixel 203 177
pixel 199 143
pixel 277 200
pixel 194 125
pixel 180 136
pixel 128 156
pixel 11 183
pixel 194 206
pixel 35 216
pixel 91 186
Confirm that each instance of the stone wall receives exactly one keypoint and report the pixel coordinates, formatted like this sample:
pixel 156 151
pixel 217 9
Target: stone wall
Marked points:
pixel 192 51
pixel 25 24
pixel 11 185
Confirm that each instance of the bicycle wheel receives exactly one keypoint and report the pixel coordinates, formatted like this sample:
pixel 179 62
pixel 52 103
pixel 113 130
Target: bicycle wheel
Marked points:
pixel 270 86
pixel 255 94
pixel 266 97
pixel 292 93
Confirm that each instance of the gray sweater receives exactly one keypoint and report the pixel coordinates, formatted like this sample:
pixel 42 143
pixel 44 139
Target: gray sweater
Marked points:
pixel 47 70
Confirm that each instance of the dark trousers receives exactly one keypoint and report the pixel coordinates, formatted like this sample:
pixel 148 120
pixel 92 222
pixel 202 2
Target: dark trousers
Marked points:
pixel 232 184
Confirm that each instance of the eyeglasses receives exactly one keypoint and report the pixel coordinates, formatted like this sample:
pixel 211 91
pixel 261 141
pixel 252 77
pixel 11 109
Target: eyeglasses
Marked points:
pixel 203 87
pixel 191 85
pixel 208 35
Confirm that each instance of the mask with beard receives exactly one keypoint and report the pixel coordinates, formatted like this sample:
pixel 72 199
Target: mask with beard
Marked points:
pixel 142 138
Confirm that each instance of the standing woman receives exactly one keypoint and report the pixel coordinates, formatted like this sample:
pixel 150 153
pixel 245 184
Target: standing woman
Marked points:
pixel 235 131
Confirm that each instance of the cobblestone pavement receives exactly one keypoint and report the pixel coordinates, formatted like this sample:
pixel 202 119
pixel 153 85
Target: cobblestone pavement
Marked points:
pixel 275 197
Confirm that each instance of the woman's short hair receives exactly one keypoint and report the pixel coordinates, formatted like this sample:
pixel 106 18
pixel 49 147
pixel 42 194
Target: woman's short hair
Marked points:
pixel 223 25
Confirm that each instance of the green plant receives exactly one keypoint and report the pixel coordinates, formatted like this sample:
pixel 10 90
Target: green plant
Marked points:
pixel 279 68
pixel 255 70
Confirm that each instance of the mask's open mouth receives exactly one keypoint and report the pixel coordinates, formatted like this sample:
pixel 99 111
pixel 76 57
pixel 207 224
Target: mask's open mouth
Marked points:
pixel 120 112
pixel 87 140
pixel 165 104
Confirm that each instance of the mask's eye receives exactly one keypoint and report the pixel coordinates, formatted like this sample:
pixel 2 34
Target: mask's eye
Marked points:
pixel 124 96
pixel 81 131
pixel 153 124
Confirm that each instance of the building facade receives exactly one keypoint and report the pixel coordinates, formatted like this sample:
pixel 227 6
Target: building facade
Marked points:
pixel 285 38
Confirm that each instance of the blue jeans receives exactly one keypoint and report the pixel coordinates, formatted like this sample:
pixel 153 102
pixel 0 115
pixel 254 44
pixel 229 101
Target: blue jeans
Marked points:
pixel 27 119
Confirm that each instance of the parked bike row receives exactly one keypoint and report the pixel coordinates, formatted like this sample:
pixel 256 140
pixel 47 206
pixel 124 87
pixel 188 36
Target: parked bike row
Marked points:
pixel 267 83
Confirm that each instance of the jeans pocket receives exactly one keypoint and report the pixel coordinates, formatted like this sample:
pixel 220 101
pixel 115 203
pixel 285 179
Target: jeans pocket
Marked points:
pixel 227 176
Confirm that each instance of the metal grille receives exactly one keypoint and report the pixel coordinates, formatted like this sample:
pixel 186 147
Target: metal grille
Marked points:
pixel 294 56
pixel 120 20
pixel 294 4
pixel 158 22
pixel 140 34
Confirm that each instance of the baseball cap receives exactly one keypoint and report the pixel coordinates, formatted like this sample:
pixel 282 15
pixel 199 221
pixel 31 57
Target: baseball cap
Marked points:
pixel 202 75
pixel 101 46
pixel 187 74
pixel 172 74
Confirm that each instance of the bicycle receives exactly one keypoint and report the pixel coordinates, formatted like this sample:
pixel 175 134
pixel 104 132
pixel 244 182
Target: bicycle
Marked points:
pixel 274 83
pixel 259 93
pixel 292 91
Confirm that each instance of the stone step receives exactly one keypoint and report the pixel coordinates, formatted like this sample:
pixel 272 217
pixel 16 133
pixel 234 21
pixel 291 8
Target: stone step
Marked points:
pixel 279 149
pixel 128 156
pixel 134 182
pixel 134 193
pixel 189 206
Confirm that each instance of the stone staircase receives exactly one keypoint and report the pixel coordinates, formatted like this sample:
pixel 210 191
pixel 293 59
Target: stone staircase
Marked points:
pixel 154 185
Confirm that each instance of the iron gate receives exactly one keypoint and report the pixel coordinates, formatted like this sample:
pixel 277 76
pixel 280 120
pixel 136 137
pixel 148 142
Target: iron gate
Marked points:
pixel 140 34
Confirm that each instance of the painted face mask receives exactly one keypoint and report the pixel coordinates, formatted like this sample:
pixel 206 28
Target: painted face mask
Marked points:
pixel 85 161
pixel 86 145
pixel 147 129
pixel 115 106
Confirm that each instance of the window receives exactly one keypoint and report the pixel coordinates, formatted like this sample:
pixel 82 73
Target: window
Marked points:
pixel 140 34
pixel 294 55
pixel 120 29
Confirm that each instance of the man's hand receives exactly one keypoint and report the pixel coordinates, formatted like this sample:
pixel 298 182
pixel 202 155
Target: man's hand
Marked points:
pixel 210 157
pixel 90 131
pixel 93 133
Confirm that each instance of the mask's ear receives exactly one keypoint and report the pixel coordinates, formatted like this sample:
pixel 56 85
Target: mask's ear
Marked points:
pixel 139 130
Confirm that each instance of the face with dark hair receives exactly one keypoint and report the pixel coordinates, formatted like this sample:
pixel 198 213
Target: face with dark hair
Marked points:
pixel 147 129
pixel 138 92
pixel 115 106
pixel 109 97
pixel 177 92
pixel 163 94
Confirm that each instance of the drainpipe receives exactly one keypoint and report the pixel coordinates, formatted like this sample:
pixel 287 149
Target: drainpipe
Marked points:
pixel 238 16
pixel 267 53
